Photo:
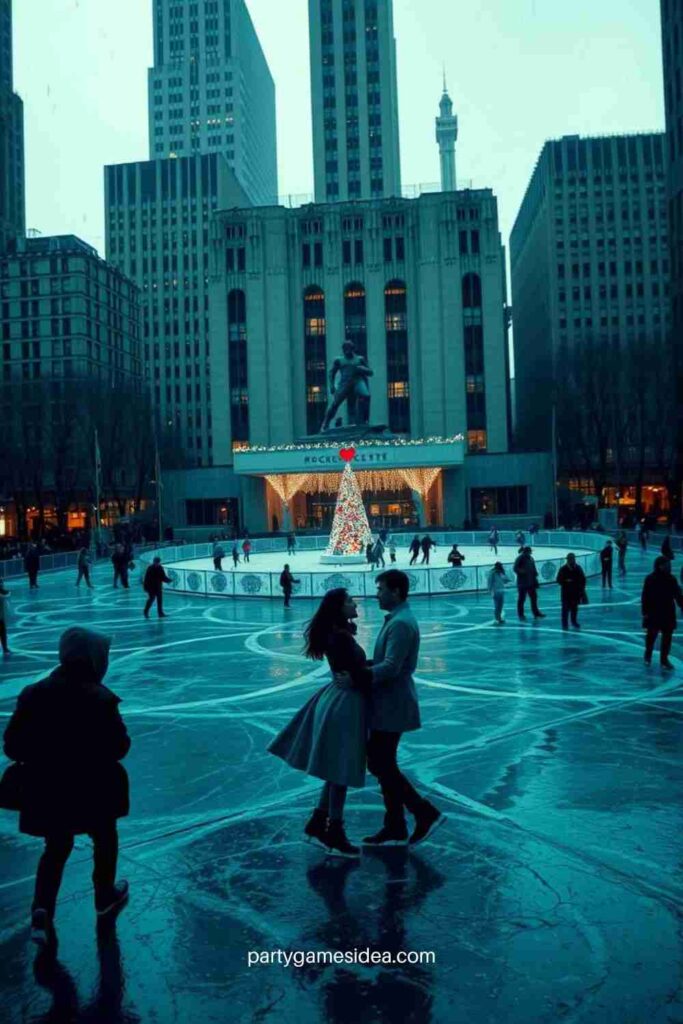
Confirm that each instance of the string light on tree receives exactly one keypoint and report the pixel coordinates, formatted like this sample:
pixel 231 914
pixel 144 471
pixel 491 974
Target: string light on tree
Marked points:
pixel 350 528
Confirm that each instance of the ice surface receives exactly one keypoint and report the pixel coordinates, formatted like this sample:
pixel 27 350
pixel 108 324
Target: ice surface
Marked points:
pixel 553 892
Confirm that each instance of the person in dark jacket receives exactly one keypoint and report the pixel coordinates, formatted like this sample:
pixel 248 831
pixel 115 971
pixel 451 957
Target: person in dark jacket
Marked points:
pixel 661 593
pixel 4 594
pixel 667 549
pixel 455 557
pixel 83 566
pixel 606 559
pixel 235 556
pixel 414 549
pixel 527 583
pixel 120 562
pixel 155 577
pixel 572 581
pixel 67 734
pixel 621 540
pixel 218 556
pixel 287 582
pixel 426 544
pixel 291 543
pixel 32 565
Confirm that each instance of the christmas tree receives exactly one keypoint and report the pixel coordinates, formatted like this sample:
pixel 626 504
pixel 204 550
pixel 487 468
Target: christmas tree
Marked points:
pixel 350 527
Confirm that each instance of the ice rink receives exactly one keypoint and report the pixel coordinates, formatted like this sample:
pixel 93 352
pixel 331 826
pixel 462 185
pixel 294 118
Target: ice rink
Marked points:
pixel 553 892
pixel 309 561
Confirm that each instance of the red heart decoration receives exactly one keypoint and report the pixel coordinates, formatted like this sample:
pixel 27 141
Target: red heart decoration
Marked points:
pixel 347 454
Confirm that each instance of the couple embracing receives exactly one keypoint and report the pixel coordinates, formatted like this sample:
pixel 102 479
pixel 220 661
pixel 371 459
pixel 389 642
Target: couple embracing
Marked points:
pixel 357 720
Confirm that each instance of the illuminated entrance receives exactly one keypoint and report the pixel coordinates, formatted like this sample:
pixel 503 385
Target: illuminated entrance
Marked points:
pixel 402 481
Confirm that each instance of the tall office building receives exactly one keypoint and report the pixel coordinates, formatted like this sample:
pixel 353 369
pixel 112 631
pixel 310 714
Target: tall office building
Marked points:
pixel 672 47
pixel 354 97
pixel 157 217
pixel 590 262
pixel 12 199
pixel 211 91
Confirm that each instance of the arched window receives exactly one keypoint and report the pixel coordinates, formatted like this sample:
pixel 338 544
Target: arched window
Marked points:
pixel 398 376
pixel 315 355
pixel 471 291
pixel 237 364
pixel 355 328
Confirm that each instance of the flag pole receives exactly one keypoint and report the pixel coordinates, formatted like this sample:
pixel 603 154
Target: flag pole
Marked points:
pixel 157 473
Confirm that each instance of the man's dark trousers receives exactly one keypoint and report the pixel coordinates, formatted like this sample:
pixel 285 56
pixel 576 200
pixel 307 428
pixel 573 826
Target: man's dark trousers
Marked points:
pixel 533 598
pixel 665 646
pixel 396 790
pixel 155 596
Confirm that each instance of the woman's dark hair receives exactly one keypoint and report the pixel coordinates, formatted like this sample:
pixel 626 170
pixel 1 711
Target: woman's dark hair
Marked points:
pixel 328 617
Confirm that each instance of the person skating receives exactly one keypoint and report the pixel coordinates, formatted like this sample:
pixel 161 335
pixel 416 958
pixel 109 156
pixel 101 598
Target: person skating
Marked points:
pixel 327 737
pixel 287 582
pixel 394 710
pixel 426 544
pixel 32 565
pixel 455 557
pixel 660 595
pixel 153 584
pixel 414 549
pixel 235 556
pixel 496 583
pixel 494 539
pixel 392 550
pixel 120 560
pixel 218 555
pixel 521 540
pixel 606 558
pixel 643 535
pixel 527 584
pixel 621 542
pixel 83 565
pixel 667 549
pixel 246 548
pixel 68 737
pixel 4 597
pixel 572 581
pixel 291 543
pixel 378 553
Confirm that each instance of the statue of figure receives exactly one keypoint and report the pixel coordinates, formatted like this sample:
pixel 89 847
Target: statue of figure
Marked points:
pixel 349 383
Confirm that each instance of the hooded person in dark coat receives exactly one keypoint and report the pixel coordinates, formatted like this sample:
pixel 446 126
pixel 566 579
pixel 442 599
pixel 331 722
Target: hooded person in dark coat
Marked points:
pixel 572 581
pixel 661 593
pixel 68 736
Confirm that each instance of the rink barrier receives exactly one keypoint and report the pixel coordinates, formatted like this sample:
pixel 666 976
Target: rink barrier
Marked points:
pixel 10 568
pixel 432 581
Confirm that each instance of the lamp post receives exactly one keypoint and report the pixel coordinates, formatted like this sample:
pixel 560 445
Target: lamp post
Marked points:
pixel 159 486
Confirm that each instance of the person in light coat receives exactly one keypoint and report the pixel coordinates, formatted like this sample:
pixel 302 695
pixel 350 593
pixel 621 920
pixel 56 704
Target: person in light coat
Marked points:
pixel 496 583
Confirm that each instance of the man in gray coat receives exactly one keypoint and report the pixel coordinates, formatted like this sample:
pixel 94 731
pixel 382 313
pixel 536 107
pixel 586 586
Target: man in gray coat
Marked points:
pixel 393 711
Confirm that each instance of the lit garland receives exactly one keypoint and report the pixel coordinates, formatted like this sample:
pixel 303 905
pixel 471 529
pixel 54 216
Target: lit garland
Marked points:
pixel 398 442
pixel 371 480
pixel 421 480
pixel 350 532
pixel 288 484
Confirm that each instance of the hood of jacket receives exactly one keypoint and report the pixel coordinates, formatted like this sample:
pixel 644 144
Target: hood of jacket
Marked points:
pixel 84 654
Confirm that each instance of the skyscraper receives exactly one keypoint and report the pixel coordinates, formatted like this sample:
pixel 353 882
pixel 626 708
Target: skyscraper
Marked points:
pixel 672 48
pixel 354 98
pixel 12 200
pixel 446 136
pixel 211 91
pixel 590 272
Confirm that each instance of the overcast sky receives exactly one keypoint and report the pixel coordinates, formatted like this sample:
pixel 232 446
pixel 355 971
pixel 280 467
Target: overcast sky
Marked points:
pixel 519 72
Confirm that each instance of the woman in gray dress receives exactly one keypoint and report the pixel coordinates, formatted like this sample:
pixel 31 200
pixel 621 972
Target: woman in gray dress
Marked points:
pixel 327 737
